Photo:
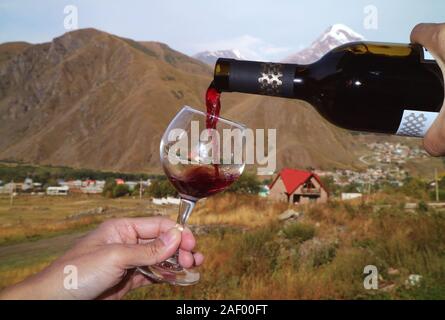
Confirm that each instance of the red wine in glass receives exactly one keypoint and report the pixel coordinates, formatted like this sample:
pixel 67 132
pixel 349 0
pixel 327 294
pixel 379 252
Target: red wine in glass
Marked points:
pixel 202 181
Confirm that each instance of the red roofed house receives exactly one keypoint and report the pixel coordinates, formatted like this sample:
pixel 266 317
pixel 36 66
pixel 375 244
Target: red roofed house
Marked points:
pixel 298 187
pixel 119 181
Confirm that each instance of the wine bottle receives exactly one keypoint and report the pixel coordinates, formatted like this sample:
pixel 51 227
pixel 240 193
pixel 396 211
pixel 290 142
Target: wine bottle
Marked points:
pixel 360 86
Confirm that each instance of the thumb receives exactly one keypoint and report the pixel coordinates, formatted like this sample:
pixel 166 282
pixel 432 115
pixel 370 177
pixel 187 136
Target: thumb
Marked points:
pixel 431 36
pixel 425 34
pixel 156 251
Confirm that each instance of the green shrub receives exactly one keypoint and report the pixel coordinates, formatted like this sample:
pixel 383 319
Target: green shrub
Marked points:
pixel 415 188
pixel 299 232
pixel 422 206
pixel 247 184
pixel 257 251
pixel 432 195
pixel 161 189
pixel 43 174
pixel 329 184
pixel 109 186
pixel 120 190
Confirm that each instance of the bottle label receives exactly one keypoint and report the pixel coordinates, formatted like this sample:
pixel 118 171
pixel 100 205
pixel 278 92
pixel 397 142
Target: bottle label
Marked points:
pixel 416 123
pixel 427 56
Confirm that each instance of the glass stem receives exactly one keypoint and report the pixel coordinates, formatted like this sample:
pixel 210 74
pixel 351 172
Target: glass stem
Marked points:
pixel 185 209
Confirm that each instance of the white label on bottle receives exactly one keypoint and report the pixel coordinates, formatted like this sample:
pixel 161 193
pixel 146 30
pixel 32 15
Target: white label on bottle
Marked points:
pixel 416 123
pixel 427 56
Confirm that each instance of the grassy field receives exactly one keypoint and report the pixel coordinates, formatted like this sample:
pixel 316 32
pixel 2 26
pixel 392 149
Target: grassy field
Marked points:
pixel 250 253
pixel 36 217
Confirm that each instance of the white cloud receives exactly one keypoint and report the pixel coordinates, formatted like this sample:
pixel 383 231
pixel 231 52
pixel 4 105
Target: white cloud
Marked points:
pixel 250 47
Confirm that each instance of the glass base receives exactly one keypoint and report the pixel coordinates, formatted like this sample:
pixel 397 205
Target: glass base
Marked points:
pixel 171 272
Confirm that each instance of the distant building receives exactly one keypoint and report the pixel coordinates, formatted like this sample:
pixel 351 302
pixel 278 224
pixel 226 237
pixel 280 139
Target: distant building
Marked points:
pixel 57 191
pixel 351 196
pixel 166 201
pixel 132 185
pixel 37 185
pixel 7 188
pixel 298 187
pixel 27 185
pixel 92 186
pixel 73 185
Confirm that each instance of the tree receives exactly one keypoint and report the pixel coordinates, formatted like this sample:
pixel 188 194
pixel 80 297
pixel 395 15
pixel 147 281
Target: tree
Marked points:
pixel 120 190
pixel 352 188
pixel 109 186
pixel 50 183
pixel 414 187
pixel 161 189
pixel 248 184
pixel 329 183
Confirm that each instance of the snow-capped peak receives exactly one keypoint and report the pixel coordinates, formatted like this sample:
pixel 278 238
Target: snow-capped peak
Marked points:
pixel 237 54
pixel 210 57
pixel 334 36
pixel 341 32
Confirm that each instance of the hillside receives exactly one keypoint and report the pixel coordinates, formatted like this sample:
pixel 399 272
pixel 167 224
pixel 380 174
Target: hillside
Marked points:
pixel 10 49
pixel 94 100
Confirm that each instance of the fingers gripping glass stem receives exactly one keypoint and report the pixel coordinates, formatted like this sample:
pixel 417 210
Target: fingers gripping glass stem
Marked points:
pixel 170 270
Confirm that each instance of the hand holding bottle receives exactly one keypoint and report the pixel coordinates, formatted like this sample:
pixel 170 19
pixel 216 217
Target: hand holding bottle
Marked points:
pixel 432 37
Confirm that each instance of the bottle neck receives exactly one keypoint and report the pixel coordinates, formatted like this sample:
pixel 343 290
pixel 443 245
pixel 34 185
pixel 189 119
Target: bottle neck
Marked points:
pixel 270 79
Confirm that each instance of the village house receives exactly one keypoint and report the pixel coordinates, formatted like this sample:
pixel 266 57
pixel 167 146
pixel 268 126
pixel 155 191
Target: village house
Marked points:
pixel 57 191
pixel 298 187
pixel 92 186
pixel 75 186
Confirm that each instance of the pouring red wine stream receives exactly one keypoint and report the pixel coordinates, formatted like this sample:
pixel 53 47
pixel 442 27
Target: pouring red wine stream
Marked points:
pixel 213 104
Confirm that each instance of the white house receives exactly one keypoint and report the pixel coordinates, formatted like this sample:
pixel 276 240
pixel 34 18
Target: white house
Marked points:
pixel 57 191
pixel 351 196
pixel 131 185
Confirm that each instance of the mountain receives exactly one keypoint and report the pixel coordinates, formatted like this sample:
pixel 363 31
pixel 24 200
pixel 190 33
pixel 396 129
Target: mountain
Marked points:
pixel 333 37
pixel 210 57
pixel 92 99
pixel 95 100
pixel 10 49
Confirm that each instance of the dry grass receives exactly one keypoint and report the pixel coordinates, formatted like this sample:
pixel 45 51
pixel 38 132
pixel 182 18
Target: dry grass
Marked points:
pixel 322 256
pixel 37 217
pixel 236 210
pixel 251 255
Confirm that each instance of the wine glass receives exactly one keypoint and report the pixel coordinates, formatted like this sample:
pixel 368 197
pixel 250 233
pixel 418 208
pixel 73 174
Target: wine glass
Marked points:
pixel 201 155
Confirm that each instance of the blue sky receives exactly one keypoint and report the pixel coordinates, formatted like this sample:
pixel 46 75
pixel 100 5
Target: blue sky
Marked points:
pixel 269 29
